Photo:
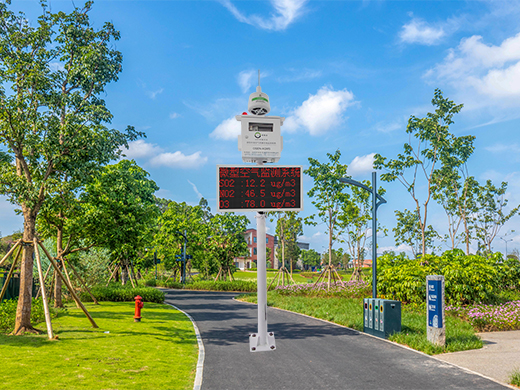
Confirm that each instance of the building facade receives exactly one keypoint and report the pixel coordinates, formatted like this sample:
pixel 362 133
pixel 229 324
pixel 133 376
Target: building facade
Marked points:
pixel 252 245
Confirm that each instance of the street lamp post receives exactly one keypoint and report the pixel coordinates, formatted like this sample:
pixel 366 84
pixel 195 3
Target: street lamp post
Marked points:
pixel 183 271
pixel 506 241
pixel 377 200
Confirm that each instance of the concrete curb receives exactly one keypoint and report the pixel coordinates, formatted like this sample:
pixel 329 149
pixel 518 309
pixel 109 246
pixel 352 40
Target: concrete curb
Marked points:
pixel 392 342
pixel 200 362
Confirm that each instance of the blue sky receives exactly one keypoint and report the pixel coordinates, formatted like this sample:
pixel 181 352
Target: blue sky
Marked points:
pixel 346 74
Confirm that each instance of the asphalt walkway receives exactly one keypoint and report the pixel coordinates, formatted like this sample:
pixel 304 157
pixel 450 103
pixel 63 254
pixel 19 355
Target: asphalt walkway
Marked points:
pixel 310 355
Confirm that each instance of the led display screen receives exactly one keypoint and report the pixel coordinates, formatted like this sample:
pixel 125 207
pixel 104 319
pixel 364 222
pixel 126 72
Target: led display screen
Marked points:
pixel 261 188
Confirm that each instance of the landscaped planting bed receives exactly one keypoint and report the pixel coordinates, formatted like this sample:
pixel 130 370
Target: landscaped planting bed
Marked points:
pixel 487 318
pixel 351 289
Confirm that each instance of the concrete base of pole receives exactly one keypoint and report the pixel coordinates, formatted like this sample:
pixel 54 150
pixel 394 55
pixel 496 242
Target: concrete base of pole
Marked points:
pixel 137 320
pixel 254 342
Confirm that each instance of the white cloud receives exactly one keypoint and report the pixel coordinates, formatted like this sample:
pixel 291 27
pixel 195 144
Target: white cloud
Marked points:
pixel 141 149
pixel 320 112
pixel 484 74
pixel 153 94
pixel 387 127
pixel 418 31
pixel 287 11
pixel 246 79
pixel 504 148
pixel 300 75
pixel 179 160
pixel 195 189
pixel 174 115
pixel 361 165
pixel 228 129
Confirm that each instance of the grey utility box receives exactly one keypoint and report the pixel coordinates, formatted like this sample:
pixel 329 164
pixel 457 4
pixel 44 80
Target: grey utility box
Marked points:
pixel 381 317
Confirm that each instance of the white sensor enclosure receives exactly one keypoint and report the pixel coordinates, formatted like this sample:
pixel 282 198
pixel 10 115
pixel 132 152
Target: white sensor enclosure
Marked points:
pixel 260 138
pixel 258 103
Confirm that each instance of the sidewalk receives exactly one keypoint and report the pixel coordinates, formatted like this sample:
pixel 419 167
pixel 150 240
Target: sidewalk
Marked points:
pixel 497 359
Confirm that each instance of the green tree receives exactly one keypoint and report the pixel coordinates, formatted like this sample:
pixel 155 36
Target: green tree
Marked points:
pixel 408 231
pixel 435 148
pixel 328 196
pixel 178 219
pixel 119 210
pixel 310 258
pixel 227 240
pixel 491 215
pixel 289 227
pixel 53 120
pixel 356 218
pixel 455 191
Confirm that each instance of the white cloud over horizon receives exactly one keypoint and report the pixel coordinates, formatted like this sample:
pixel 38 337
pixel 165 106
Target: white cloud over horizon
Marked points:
pixel 158 157
pixel 286 12
pixel 361 165
pixel 420 32
pixel 485 74
pixel 321 112
pixel 179 160
pixel 141 149
pixel 196 189
pixel 228 129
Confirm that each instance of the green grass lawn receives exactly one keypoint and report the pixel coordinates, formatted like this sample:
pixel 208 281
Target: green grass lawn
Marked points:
pixel 251 275
pixel 160 352
pixel 460 335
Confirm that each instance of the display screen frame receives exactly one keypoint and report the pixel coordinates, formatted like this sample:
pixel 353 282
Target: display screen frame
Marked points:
pixel 281 204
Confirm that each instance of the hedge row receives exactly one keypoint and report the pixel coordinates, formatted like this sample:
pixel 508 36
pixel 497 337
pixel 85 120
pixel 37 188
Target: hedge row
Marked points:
pixel 117 293
pixel 468 279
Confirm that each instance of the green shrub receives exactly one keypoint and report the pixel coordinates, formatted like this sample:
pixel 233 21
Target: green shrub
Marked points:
pixel 118 293
pixel 150 282
pixel 8 313
pixel 235 285
pixel 170 284
pixel 468 279
pixel 267 269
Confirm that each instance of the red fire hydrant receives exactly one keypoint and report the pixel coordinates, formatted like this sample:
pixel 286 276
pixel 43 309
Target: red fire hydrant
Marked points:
pixel 138 306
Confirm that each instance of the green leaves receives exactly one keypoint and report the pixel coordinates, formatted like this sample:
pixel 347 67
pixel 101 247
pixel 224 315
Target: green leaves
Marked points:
pixel 431 149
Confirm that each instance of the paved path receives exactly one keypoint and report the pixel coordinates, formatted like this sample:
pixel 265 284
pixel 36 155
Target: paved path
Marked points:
pixel 498 359
pixel 310 354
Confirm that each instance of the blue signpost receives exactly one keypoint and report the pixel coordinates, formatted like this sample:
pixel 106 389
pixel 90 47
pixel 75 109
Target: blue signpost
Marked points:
pixel 435 303
pixel 436 332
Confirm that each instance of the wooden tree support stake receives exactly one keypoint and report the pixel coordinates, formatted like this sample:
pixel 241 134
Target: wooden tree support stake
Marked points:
pixel 10 251
pixel 82 282
pixel 94 325
pixel 10 274
pixel 44 294
pixel 113 274
pixel 44 280
pixel 67 275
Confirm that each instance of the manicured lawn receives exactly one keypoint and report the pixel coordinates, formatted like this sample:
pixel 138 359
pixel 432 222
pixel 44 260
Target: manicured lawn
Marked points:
pixel 158 353
pixel 460 335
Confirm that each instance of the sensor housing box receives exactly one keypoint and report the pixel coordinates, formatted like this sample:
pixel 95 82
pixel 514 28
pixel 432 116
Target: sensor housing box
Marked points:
pixel 260 138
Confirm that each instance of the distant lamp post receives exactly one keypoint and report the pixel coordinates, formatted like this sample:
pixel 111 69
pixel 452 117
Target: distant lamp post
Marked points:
pixel 183 271
pixel 377 200
pixel 506 241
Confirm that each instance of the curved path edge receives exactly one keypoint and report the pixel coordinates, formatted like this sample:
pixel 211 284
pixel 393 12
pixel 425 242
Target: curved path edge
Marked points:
pixel 391 342
pixel 200 362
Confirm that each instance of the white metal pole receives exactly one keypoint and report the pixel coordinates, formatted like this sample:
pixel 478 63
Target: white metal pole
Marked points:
pixel 261 279
pixel 261 341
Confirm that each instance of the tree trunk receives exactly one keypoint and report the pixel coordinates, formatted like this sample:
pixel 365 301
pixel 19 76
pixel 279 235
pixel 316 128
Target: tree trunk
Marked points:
pixel 23 311
pixel 124 274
